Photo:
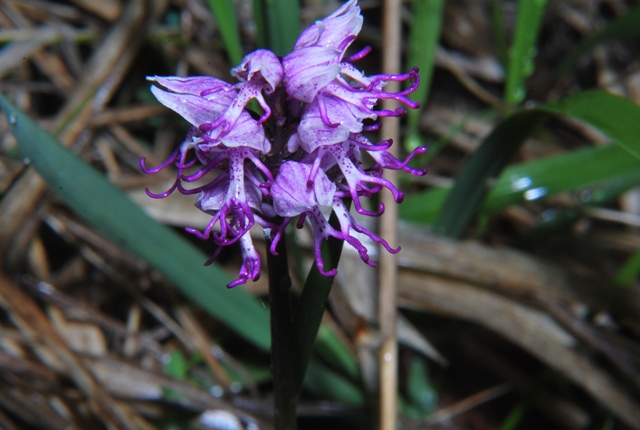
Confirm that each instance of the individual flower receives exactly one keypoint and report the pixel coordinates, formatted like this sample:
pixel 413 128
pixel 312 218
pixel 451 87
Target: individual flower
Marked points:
pixel 316 56
pixel 223 138
pixel 293 195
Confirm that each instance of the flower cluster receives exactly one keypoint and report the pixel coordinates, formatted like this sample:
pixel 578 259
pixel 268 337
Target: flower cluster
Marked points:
pixel 301 156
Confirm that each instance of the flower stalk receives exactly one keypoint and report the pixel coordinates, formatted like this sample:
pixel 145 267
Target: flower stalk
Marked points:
pixel 282 348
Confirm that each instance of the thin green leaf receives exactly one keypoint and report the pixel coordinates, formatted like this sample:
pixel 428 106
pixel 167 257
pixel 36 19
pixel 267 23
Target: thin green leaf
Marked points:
pixel 260 18
pixel 423 42
pixel 227 21
pixel 420 391
pixel 283 18
pixel 482 169
pixel 312 304
pixel 628 25
pixel 106 207
pixel 629 273
pixel 322 381
pixel 523 49
pixel 497 8
pixel 514 418
pixel 330 347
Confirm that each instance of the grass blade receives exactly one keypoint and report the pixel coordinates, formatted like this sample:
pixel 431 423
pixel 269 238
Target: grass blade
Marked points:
pixel 485 165
pixel 523 49
pixel 423 42
pixel 311 305
pixel 283 24
pixel 225 16
pixel 259 16
pixel 105 206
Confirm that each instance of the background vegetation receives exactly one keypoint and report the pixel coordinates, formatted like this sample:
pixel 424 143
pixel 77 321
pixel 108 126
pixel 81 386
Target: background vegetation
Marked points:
pixel 518 275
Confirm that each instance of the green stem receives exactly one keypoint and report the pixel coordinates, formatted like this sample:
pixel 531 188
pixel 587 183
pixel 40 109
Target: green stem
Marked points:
pixel 284 386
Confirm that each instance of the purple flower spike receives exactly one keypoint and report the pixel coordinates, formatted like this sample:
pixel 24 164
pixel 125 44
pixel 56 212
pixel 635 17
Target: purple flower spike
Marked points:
pixel 300 156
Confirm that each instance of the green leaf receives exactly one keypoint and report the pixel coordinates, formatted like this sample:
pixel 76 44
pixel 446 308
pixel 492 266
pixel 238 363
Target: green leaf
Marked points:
pixel 420 392
pixel 321 380
pixel 628 274
pixel 283 24
pixel 311 305
pixel 423 42
pixel 105 206
pixel 260 18
pixel 423 207
pixel 597 194
pixel 227 21
pixel 614 116
pixel 499 39
pixel 514 418
pixel 523 49
pixel 483 168
pixel 331 348
pixel 587 168
pixel 176 366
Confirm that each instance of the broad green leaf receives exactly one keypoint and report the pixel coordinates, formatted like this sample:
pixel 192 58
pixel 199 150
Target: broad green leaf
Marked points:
pixel 105 206
pixel 604 172
pixel 522 53
pixel 597 194
pixel 423 207
pixel 614 116
pixel 227 21
pixel 587 168
pixel 423 42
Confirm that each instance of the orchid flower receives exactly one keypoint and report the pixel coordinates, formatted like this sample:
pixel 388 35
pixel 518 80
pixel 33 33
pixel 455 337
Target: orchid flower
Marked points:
pixel 301 156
